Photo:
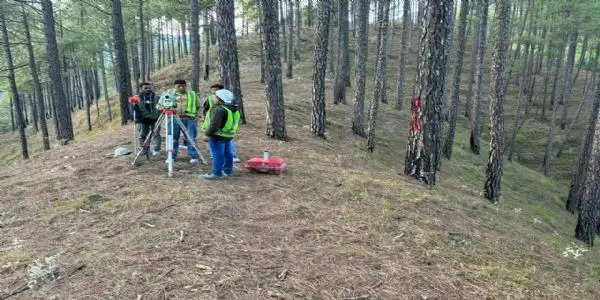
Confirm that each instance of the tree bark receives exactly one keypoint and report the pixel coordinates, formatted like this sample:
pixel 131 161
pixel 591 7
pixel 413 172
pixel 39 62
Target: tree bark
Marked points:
pixel 343 67
pixel 475 139
pixel 309 17
pixel 262 43
pixel 228 53
pixel 195 41
pixel 171 27
pixel 565 94
pixel 320 68
pixel 142 41
pixel 291 50
pixel 274 88
pixel 494 168
pixel 579 176
pixel 403 54
pixel 36 83
pixel 462 41
pixel 63 113
pixel 362 51
pixel 121 57
pixel 552 131
pixel 282 22
pixel 207 47
pixel 587 222
pixel 13 86
pixel 476 8
pixel 381 69
pixel 104 85
pixel 184 44
pixel 424 140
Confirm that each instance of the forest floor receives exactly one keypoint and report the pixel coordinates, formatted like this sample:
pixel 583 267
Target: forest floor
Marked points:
pixel 340 224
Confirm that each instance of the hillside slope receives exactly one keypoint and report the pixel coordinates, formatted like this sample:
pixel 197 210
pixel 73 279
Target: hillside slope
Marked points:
pixel 342 223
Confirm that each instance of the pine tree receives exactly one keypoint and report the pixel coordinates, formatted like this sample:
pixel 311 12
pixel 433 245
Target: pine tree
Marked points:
pixel 453 112
pixel 274 88
pixel 362 50
pixel 63 113
pixel 13 85
pixel 228 52
pixel 343 54
pixel 476 124
pixel 495 162
pixel 424 141
pixel 587 222
pixel 320 68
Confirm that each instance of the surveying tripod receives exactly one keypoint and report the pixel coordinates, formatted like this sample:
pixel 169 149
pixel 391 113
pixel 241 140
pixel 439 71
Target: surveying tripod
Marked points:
pixel 169 117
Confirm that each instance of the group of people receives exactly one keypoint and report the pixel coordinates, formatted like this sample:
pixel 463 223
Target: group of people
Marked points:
pixel 220 123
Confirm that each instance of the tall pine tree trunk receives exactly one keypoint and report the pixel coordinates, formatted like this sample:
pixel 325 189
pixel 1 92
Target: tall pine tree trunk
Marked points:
pixel 462 41
pixel 228 52
pixel 320 68
pixel 475 139
pixel 274 87
pixel 424 140
pixel 207 46
pixel 362 51
pixel 195 41
pixel 493 173
pixel 339 92
pixel 381 69
pixel 291 50
pixel 565 94
pixel 124 76
pixel 13 86
pixel 63 113
pixel 36 84
pixel 379 75
pixel 476 8
pixel 587 222
pixel 104 85
pixel 579 177
pixel 403 54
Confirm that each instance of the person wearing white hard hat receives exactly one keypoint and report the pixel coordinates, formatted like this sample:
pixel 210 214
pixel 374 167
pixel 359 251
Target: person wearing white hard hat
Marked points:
pixel 223 121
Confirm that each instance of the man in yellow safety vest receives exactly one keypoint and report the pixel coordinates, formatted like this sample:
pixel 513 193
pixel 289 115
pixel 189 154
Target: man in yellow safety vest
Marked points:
pixel 208 104
pixel 187 107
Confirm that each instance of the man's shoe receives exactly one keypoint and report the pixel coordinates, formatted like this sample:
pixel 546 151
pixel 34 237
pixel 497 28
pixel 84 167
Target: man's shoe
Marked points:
pixel 211 177
pixel 236 160
pixel 193 161
pixel 155 153
pixel 227 175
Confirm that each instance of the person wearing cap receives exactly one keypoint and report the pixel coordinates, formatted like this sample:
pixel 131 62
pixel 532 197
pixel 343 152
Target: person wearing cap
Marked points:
pixel 208 104
pixel 187 108
pixel 223 120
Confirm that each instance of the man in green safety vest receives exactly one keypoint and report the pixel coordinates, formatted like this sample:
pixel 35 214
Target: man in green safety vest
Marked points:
pixel 187 107
pixel 222 122
pixel 208 104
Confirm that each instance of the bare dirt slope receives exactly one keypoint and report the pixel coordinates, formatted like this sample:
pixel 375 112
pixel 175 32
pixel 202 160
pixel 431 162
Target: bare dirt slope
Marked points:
pixel 341 224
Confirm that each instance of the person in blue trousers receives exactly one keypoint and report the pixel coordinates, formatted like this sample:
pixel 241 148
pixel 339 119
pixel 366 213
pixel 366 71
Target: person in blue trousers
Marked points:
pixel 208 104
pixel 222 125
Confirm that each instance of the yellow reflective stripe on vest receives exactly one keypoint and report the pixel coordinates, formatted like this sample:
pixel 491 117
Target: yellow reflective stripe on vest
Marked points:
pixel 191 104
pixel 211 102
pixel 231 126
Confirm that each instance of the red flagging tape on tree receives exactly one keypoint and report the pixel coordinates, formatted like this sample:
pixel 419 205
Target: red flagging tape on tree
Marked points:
pixel 415 122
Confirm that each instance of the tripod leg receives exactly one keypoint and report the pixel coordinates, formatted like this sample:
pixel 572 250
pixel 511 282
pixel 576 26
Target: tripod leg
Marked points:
pixel 187 136
pixel 148 138
pixel 169 131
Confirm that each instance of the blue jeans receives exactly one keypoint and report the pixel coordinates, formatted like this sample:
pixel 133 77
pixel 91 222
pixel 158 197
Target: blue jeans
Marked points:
pixel 222 156
pixel 190 125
